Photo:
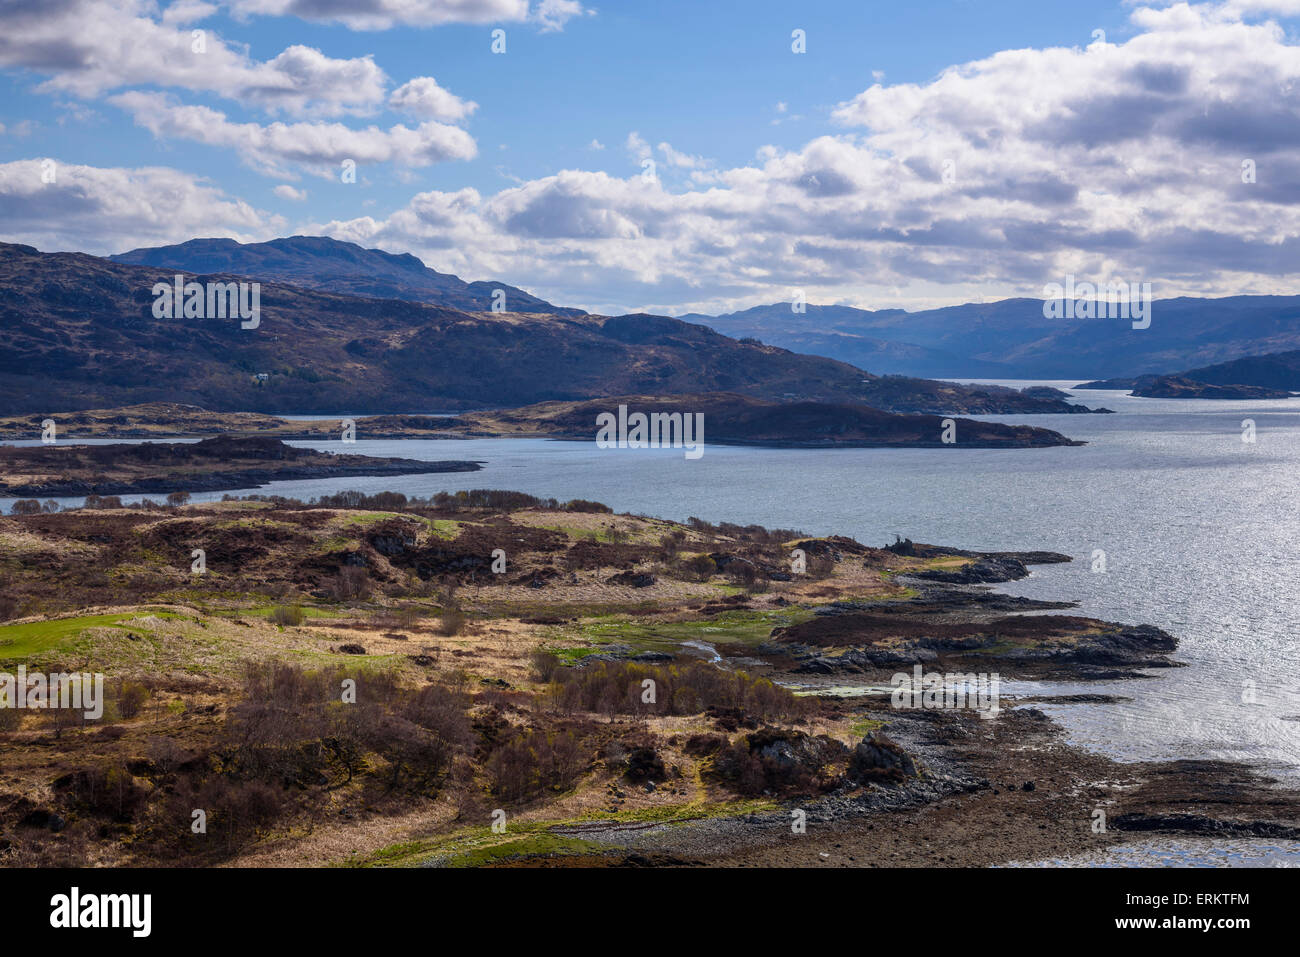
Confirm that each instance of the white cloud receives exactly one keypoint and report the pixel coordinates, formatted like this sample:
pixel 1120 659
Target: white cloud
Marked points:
pixel 554 14
pixel 188 11
pixel 277 148
pixel 638 148
pixel 383 14
pixel 681 160
pixel 109 210
pixel 285 191
pixel 90 47
pixel 423 98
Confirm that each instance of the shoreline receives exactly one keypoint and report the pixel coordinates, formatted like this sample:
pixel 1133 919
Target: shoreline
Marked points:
pixel 593 599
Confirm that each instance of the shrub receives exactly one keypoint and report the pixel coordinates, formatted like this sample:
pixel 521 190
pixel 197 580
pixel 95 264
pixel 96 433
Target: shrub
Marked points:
pixel 583 505
pixel 451 621
pixel 351 583
pixel 131 696
pixel 286 615
pixel 545 664
pixel 698 568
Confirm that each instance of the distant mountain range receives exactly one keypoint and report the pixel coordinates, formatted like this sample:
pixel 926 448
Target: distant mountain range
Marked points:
pixel 1012 339
pixel 81 333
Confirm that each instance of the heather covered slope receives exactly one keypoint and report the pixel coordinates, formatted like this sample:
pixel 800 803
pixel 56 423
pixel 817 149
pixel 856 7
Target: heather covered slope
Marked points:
pixel 81 334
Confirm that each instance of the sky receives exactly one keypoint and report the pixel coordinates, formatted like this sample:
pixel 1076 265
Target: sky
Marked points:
pixel 676 156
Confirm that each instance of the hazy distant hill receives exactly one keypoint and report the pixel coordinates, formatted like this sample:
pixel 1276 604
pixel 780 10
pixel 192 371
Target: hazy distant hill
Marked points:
pixel 80 333
pixel 1280 370
pixel 318 262
pixel 1272 376
pixel 1012 339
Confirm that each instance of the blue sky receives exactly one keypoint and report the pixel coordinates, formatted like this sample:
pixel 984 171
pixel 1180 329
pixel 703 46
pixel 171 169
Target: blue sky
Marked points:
pixel 821 172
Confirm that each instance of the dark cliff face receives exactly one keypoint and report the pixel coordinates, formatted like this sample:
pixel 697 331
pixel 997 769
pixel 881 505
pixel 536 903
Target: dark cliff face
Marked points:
pixel 81 334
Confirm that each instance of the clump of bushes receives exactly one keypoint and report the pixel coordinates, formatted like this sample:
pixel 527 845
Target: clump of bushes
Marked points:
pixel 782 761
pixel 532 762
pixel 680 688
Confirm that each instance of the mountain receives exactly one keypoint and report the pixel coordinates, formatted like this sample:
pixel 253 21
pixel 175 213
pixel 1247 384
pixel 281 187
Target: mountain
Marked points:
pixel 81 333
pixel 1012 338
pixel 318 262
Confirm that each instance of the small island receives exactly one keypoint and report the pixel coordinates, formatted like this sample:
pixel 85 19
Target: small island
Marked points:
pixel 729 419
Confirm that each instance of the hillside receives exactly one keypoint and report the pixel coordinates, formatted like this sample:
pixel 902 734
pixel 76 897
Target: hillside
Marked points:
pixel 1278 370
pixel 81 334
pixel 316 262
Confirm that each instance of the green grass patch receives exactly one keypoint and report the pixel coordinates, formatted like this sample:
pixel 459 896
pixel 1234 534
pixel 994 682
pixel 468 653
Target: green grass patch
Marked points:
pixel 24 640
pixel 479 847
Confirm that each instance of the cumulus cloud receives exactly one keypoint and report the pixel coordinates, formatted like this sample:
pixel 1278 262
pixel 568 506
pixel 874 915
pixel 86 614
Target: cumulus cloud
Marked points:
pixel 423 98
pixel 275 149
pixel 90 47
pixel 109 210
pixel 285 191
